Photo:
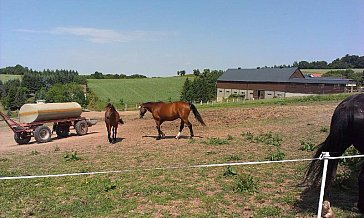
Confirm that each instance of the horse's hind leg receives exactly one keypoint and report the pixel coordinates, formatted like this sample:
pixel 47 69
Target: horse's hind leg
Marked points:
pixel 115 133
pixel 180 129
pixel 190 127
pixel 361 191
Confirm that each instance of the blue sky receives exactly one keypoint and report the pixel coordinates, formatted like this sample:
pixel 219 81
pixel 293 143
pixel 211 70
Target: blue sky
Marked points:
pixel 158 38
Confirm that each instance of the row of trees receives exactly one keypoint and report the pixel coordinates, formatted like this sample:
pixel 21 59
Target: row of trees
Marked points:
pixel 346 62
pixel 99 75
pixel 53 86
pixel 357 77
pixel 202 88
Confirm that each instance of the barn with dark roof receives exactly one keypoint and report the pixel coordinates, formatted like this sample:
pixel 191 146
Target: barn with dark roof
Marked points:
pixel 276 83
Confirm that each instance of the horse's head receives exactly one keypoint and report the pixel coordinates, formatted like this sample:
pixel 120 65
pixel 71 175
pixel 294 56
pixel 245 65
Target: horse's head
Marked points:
pixel 109 105
pixel 142 111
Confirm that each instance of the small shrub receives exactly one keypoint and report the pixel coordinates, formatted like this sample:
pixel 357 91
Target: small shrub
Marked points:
pixel 216 141
pixel 307 145
pixel 353 163
pixel 246 183
pixel 276 156
pixel 266 138
pixel 248 136
pixel 71 156
pixel 270 139
pixel 229 171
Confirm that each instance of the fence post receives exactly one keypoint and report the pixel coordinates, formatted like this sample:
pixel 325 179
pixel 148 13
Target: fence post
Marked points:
pixel 325 156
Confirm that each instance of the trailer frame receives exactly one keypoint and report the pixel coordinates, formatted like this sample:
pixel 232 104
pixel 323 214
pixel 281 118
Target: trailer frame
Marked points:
pixel 23 132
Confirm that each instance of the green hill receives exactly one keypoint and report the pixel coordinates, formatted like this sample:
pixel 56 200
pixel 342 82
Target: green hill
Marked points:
pixel 135 91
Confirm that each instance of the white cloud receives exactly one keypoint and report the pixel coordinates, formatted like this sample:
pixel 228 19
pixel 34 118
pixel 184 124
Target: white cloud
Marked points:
pixel 103 35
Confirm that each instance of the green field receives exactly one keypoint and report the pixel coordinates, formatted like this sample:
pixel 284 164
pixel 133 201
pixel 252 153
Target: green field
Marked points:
pixel 6 77
pixel 135 91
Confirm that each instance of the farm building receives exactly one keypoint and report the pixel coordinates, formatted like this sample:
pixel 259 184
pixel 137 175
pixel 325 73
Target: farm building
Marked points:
pixel 276 83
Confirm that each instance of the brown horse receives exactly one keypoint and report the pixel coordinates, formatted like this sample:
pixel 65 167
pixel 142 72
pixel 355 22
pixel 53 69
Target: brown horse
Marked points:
pixel 171 111
pixel 112 119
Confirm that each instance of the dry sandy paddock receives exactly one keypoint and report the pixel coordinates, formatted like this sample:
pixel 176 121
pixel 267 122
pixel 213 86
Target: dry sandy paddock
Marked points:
pixel 137 133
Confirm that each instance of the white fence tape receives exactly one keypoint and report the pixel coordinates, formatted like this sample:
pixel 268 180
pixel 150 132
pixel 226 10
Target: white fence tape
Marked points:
pixel 324 156
pixel 174 167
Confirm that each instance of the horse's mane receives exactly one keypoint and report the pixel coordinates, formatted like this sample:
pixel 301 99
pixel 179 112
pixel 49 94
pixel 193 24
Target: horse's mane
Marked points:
pixel 111 106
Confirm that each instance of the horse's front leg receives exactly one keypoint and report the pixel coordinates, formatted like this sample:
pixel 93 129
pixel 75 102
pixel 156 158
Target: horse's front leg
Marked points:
pixel 108 133
pixel 181 126
pixel 159 132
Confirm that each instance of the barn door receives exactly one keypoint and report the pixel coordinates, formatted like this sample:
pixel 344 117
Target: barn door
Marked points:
pixel 258 94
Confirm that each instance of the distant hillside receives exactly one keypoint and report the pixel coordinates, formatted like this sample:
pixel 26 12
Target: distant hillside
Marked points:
pixel 135 91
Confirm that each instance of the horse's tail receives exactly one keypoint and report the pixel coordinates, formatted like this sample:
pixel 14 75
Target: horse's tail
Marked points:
pixel 197 114
pixel 336 143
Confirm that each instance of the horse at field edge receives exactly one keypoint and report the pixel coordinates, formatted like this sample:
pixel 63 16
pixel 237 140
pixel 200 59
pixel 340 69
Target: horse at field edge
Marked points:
pixel 112 119
pixel 346 129
pixel 171 111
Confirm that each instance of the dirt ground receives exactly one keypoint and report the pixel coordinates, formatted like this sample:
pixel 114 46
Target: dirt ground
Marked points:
pixel 142 132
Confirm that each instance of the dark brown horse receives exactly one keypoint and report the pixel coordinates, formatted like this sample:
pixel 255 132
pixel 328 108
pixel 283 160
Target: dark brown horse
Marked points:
pixel 346 129
pixel 171 111
pixel 112 119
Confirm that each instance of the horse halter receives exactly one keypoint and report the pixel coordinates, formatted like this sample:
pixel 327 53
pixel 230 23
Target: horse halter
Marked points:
pixel 142 110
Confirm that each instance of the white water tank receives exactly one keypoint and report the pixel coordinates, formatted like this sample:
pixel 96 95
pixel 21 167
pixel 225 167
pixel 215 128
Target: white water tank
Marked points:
pixel 29 113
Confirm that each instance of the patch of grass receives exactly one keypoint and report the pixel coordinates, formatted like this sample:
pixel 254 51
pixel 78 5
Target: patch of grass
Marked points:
pixel 71 156
pixel 211 152
pixel 276 156
pixel 266 138
pixel 34 152
pixel 230 138
pixel 216 141
pixel 307 145
pixel 324 129
pixel 229 171
pixel 4 159
pixel 233 157
pixel 246 184
pixel 268 211
pixel 191 141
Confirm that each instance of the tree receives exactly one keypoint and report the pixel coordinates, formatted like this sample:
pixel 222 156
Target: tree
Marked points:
pixel 187 91
pixel 181 73
pixel 196 72
pixel 202 88
pixel 11 89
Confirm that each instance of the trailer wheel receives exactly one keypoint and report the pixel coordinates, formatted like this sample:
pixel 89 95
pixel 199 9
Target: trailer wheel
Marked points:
pixel 21 138
pixel 42 134
pixel 62 131
pixel 81 127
